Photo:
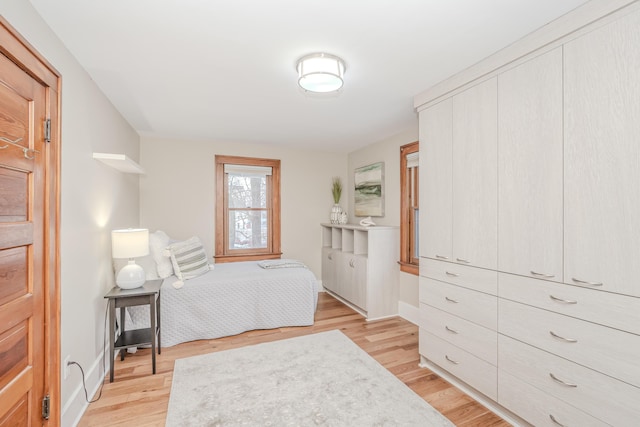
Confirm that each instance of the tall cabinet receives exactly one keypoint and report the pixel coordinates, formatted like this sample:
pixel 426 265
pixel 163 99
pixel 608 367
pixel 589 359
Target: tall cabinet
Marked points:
pixel 360 266
pixel 436 136
pixel 458 185
pixel 530 168
pixel 602 155
pixel 474 232
pixel 530 221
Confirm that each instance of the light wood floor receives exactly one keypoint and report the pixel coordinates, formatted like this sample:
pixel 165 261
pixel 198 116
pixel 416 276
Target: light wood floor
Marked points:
pixel 137 398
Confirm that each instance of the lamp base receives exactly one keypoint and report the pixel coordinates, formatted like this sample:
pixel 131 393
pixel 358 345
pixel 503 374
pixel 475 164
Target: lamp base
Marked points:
pixel 131 276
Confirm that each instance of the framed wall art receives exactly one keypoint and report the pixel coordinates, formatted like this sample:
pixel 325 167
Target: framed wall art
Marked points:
pixel 369 190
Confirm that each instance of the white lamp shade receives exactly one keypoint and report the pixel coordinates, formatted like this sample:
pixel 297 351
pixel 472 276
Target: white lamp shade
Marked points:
pixel 129 243
pixel 320 72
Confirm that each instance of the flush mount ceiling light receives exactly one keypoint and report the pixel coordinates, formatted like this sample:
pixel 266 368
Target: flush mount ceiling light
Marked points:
pixel 320 72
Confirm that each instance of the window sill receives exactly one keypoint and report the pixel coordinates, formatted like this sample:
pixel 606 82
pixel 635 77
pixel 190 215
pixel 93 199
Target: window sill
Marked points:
pixel 409 268
pixel 237 258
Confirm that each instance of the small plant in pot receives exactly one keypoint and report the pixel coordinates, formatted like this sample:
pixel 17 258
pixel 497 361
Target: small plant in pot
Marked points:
pixel 336 192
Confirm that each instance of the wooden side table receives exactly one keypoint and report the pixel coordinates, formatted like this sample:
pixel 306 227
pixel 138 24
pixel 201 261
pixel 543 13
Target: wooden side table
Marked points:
pixel 147 294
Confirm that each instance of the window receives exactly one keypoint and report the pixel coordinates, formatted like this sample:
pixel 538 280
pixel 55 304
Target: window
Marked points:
pixel 247 209
pixel 409 208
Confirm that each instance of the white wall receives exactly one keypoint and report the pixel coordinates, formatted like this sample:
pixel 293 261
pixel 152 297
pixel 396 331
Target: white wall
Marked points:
pixel 177 194
pixel 387 151
pixel 95 199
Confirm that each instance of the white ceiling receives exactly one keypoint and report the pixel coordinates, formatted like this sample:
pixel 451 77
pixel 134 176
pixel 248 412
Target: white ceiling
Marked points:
pixel 225 69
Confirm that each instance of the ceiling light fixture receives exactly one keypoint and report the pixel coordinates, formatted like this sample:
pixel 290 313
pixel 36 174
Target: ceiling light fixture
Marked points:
pixel 320 72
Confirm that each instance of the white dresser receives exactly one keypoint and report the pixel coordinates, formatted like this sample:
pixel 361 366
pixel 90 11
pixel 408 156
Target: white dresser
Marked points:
pixel 359 265
pixel 530 223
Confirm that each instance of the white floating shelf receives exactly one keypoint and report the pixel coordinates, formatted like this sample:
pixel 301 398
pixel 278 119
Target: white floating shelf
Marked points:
pixel 120 162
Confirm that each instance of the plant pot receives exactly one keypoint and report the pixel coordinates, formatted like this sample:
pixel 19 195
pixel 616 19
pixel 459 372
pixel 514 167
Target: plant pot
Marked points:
pixel 336 211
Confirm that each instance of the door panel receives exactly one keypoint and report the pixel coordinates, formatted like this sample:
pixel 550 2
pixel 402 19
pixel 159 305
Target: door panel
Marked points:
pixel 601 152
pixel 435 181
pixel 22 185
pixel 13 274
pixel 475 177
pixel 530 168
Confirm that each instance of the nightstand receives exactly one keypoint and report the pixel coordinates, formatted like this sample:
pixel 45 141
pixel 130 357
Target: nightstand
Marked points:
pixel 147 294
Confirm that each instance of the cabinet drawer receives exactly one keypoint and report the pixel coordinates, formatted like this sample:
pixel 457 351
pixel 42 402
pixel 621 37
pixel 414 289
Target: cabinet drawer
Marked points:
pixel 614 310
pixel 601 396
pixel 538 407
pixel 471 305
pixel 474 278
pixel 604 349
pixel 473 338
pixel 472 370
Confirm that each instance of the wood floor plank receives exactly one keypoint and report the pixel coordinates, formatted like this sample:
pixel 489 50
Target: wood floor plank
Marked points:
pixel 137 398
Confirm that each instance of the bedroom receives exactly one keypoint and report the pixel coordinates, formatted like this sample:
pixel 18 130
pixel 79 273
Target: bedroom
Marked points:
pixel 96 200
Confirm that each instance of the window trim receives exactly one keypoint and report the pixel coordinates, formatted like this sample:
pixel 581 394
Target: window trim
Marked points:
pixel 273 249
pixel 407 264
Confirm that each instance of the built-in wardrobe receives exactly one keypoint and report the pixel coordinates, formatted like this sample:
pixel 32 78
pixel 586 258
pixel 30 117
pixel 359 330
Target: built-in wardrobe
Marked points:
pixel 530 223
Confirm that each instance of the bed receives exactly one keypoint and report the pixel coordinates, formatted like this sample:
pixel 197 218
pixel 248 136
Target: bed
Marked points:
pixel 230 299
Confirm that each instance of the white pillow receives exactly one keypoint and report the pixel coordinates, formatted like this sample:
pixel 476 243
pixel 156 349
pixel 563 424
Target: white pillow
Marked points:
pixel 158 242
pixel 189 259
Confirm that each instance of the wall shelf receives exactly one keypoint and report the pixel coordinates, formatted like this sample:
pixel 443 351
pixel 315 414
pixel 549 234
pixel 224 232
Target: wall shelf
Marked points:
pixel 120 162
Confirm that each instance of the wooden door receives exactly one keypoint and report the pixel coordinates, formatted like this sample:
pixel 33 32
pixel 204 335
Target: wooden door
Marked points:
pixel 475 180
pixel 602 158
pixel 530 168
pixel 28 243
pixel 435 181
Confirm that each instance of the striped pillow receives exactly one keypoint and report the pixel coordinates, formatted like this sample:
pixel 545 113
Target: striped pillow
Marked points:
pixel 189 259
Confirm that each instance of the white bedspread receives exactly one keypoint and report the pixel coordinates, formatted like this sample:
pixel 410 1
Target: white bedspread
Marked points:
pixel 232 298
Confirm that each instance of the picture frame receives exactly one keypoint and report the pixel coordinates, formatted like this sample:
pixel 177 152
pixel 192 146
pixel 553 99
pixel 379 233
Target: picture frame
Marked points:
pixel 369 190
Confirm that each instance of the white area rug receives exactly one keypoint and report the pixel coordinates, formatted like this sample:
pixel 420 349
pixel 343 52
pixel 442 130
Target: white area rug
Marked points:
pixel 322 379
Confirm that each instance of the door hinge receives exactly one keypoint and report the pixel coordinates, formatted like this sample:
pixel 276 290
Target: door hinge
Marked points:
pixel 47 130
pixel 45 407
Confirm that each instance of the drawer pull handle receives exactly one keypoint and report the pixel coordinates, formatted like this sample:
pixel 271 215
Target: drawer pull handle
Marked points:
pixel 548 276
pixel 330 257
pixel 463 260
pixel 453 331
pixel 584 282
pixel 559 381
pixel 451 300
pixel 556 422
pixel 451 360
pixel 571 340
pixel 441 256
pixel 565 301
pixel 351 264
pixel 451 274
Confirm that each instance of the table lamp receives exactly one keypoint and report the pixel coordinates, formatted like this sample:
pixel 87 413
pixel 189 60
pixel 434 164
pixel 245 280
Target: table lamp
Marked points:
pixel 130 243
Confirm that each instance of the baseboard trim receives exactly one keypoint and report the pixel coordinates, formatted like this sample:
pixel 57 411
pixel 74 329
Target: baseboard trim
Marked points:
pixel 409 312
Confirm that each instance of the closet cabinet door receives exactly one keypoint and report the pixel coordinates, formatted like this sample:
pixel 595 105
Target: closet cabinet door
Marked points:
pixel 360 265
pixel 602 158
pixel 530 168
pixel 352 278
pixel 475 183
pixel 435 181
pixel 329 274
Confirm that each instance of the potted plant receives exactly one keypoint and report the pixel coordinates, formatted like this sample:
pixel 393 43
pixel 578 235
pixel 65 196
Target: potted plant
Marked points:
pixel 336 192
